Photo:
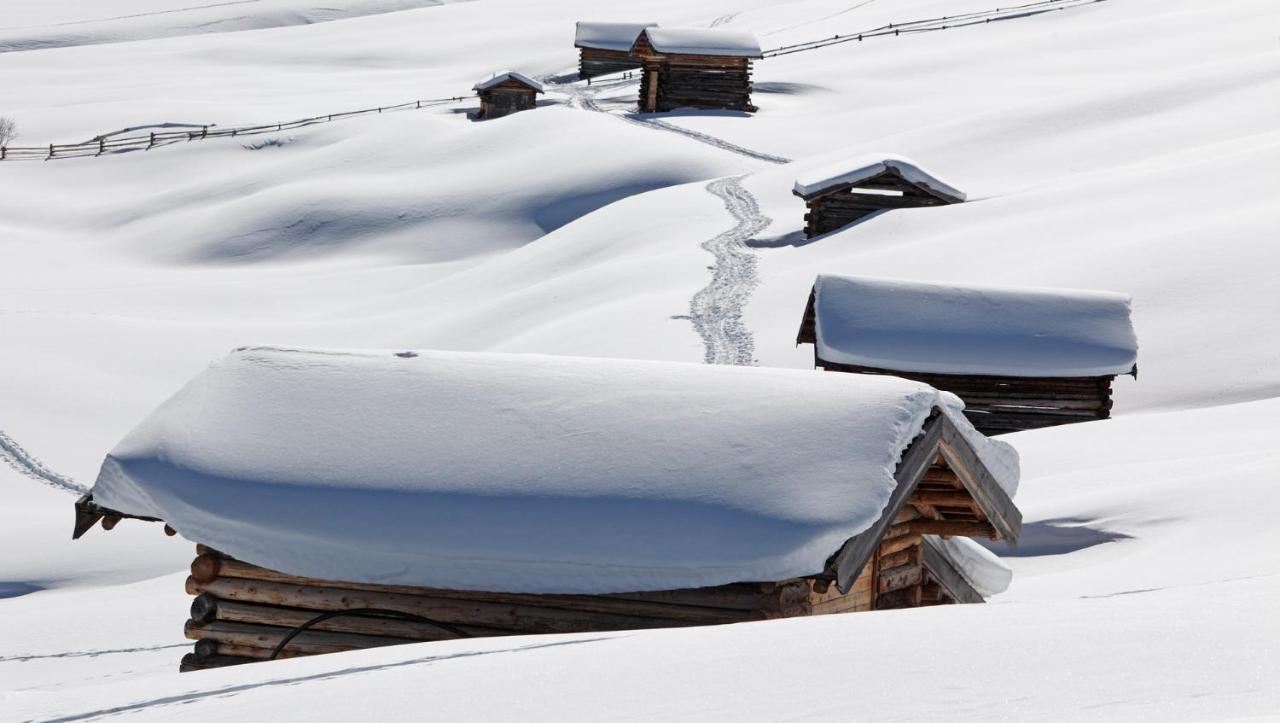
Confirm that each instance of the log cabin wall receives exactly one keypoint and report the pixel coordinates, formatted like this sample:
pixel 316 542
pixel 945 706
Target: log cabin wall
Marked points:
pixel 695 81
pixel 506 98
pixel 593 62
pixel 999 405
pixel 241 612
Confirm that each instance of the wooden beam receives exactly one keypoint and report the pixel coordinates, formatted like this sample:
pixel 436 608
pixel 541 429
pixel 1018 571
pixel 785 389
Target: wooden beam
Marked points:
pixel 945 574
pixel 952 528
pixel 977 479
pixel 847 564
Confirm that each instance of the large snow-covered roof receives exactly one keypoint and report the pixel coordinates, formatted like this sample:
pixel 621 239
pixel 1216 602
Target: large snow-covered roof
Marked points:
pixel 704 41
pixel 504 75
pixel 913 326
pixel 863 167
pixel 608 36
pixel 520 472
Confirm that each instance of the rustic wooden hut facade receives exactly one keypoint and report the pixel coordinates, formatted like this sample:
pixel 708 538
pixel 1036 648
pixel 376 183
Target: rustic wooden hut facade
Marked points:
pixel 505 93
pixel 605 48
pixel 904 548
pixel 1018 358
pixel 695 68
pixel 849 191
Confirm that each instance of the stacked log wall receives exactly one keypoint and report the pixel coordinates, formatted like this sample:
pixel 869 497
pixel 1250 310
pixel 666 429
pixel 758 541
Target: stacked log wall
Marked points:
pixel 838 208
pixel 1000 405
pixel 693 81
pixel 594 62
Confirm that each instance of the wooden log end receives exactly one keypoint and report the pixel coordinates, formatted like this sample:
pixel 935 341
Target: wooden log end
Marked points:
pixel 206 567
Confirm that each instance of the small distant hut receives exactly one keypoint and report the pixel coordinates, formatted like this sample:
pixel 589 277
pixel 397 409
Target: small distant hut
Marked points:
pixel 505 93
pixel 350 500
pixel 695 68
pixel 605 48
pixel 842 193
pixel 1018 358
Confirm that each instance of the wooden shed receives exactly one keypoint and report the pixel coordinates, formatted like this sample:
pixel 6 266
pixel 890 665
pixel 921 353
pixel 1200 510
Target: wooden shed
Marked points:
pixel 605 48
pixel 505 93
pixel 695 68
pixel 848 191
pixel 515 494
pixel 1018 358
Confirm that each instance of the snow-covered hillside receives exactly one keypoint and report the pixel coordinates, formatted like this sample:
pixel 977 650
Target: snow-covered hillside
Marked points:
pixel 1125 145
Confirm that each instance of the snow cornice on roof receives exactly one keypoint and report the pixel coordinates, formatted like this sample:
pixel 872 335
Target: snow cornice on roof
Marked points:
pixel 852 171
pixel 704 41
pixel 503 76
pixel 608 36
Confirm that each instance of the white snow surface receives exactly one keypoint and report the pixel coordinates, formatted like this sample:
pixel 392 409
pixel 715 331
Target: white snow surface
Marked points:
pixel 518 472
pixel 608 36
pixel 864 166
pixel 914 326
pixel 704 41
pixel 1083 137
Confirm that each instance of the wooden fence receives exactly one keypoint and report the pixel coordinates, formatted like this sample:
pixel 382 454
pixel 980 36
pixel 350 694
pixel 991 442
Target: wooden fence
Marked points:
pixel 116 144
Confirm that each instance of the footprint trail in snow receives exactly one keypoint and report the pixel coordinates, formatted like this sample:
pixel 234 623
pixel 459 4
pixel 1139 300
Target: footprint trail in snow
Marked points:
pixel 716 310
pixel 21 460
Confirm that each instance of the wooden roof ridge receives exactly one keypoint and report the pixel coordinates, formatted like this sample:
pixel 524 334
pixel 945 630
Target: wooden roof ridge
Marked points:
pixel 887 172
pixel 938 438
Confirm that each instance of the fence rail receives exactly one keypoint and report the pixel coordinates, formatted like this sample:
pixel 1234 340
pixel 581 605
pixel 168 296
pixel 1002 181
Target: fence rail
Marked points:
pixel 116 143
pixel 928 25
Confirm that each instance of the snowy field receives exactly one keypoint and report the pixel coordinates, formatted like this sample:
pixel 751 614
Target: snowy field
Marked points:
pixel 1127 145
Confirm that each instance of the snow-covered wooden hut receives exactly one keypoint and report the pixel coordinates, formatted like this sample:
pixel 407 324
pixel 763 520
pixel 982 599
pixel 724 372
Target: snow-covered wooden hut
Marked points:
pixel 695 68
pixel 841 193
pixel 605 48
pixel 505 93
pixel 377 498
pixel 1019 358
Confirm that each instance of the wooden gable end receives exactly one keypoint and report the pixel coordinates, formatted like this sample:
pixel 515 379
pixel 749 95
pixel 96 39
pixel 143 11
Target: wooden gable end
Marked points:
pixel 942 489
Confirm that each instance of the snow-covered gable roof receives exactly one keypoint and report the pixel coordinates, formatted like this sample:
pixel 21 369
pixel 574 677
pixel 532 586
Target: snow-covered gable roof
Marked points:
pixel 608 36
pixel 503 76
pixel 861 168
pixel 704 41
pixel 522 473
pixel 911 326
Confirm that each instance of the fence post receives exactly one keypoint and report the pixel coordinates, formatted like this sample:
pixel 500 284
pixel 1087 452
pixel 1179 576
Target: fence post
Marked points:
pixel 4 152
pixel 153 140
pixel 51 150
pixel 419 104
pixel 279 126
pixel 102 144
pixel 205 132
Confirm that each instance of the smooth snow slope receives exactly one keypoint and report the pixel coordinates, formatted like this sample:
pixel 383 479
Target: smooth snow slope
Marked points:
pixel 1126 146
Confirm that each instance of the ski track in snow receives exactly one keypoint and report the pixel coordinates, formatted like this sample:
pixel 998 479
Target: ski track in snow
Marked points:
pixel 22 461
pixel 716 310
pixel 583 98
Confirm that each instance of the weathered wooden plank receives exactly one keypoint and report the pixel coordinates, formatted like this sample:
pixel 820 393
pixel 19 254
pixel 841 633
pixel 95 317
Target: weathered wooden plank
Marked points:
pixel 308 642
pixel 853 556
pixel 990 496
pixel 945 575
pixel 953 528
pixel 208 609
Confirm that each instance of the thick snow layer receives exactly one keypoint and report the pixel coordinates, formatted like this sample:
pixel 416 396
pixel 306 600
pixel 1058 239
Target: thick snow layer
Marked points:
pixel 608 36
pixel 977 565
pixel 913 326
pixel 505 75
pixel 704 41
pixel 862 167
pixel 516 472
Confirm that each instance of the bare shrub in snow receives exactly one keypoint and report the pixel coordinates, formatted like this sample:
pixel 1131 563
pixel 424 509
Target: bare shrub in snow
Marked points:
pixel 8 130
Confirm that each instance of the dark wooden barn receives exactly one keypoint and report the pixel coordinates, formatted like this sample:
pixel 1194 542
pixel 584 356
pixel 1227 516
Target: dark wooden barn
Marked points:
pixel 1018 358
pixel 605 48
pixel 695 68
pixel 506 93
pixel 879 522
pixel 840 194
